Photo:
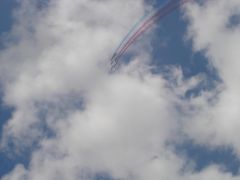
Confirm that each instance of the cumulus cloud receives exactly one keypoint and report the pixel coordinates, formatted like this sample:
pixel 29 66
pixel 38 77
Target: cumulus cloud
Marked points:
pixel 58 52
pixel 86 121
pixel 215 34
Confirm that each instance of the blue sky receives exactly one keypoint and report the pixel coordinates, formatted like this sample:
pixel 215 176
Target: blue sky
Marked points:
pixel 7 159
pixel 5 15
pixel 170 47
pixel 6 20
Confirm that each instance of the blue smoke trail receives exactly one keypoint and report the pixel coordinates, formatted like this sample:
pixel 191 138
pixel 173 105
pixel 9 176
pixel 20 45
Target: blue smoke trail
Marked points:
pixel 146 24
pixel 131 31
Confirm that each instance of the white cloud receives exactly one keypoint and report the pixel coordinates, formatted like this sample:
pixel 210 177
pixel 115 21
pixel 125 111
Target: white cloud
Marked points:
pixel 58 52
pixel 210 31
pixel 55 74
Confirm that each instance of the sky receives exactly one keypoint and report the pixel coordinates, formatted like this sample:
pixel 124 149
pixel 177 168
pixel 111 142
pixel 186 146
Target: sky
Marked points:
pixel 171 110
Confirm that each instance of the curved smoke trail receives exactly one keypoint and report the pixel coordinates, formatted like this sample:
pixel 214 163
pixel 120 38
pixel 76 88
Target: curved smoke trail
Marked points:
pixel 130 33
pixel 148 25
pixel 162 12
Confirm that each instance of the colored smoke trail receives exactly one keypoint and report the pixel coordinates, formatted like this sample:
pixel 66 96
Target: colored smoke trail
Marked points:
pixel 148 25
pixel 134 28
pixel 164 11
pixel 130 32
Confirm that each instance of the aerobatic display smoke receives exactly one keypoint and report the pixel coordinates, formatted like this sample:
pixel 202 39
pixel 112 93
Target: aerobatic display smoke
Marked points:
pixel 145 23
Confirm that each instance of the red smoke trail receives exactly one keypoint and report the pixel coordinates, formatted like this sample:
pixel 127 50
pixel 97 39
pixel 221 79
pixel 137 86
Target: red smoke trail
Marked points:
pixel 172 5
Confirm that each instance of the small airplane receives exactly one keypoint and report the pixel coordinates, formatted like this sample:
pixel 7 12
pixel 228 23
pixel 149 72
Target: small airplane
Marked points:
pixel 114 62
